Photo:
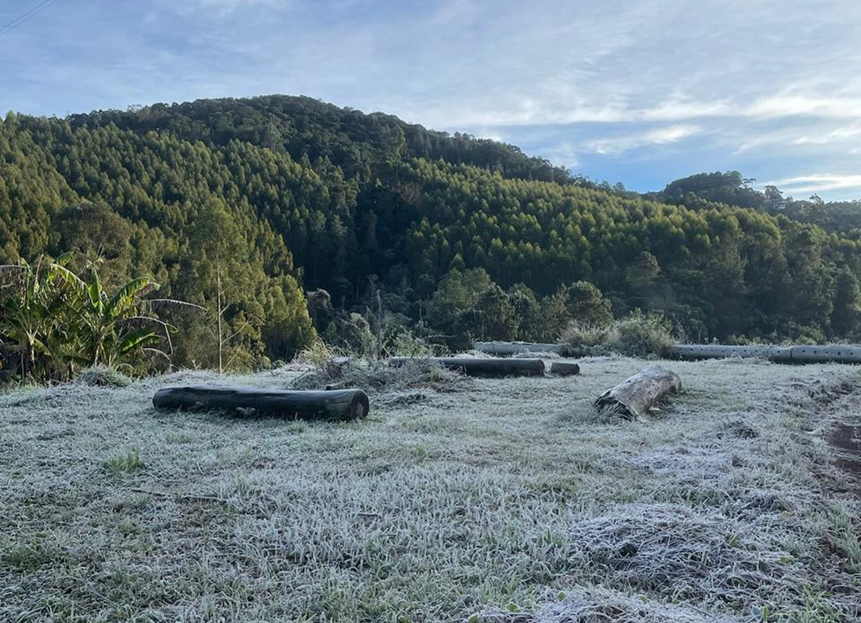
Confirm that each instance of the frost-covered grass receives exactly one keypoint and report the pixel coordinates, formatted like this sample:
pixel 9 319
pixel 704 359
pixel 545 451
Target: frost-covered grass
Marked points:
pixel 384 381
pixel 505 501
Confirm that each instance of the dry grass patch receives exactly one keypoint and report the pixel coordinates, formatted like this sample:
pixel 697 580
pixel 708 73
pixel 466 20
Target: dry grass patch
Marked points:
pixel 379 377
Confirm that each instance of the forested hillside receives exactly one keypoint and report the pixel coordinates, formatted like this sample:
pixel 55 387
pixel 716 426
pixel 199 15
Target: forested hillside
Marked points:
pixel 266 199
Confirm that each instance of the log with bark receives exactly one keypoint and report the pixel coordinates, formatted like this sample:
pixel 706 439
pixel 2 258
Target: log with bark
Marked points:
pixel 564 368
pixel 484 367
pixel 345 404
pixel 634 397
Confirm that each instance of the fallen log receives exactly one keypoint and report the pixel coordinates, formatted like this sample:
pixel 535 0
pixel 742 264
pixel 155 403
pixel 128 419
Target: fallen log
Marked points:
pixel 505 349
pixel 564 368
pixel 719 351
pixel 827 353
pixel 634 397
pixel 345 404
pixel 837 353
pixel 477 366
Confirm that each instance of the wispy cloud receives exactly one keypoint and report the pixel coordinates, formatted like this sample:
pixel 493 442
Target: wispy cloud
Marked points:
pixel 223 7
pixel 657 136
pixel 818 182
pixel 841 133
pixel 617 89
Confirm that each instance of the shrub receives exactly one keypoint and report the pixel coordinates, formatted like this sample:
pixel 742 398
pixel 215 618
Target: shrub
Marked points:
pixel 99 376
pixel 579 302
pixel 407 344
pixel 636 335
pixel 581 338
pixel 377 376
pixel 642 335
pixel 318 353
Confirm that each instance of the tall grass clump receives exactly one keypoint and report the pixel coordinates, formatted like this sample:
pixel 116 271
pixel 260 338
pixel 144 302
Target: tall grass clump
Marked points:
pixel 642 335
pixel 378 376
pixel 395 343
pixel 124 462
pixel 636 335
pixel 100 376
pixel 318 353
pixel 407 344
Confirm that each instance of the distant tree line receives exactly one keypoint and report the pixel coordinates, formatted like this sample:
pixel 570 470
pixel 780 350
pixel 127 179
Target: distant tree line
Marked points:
pixel 244 206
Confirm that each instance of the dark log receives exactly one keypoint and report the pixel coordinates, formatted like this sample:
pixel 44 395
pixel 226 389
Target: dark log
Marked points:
pixel 564 368
pixel 826 353
pixel 838 353
pixel 719 351
pixel 477 366
pixel 345 404
pixel 634 397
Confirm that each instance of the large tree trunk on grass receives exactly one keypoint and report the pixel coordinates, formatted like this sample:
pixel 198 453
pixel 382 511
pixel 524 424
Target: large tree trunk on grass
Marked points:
pixel 477 366
pixel 345 404
pixel 634 397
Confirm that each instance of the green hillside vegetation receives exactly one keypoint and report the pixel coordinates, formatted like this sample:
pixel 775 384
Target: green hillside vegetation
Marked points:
pixel 260 201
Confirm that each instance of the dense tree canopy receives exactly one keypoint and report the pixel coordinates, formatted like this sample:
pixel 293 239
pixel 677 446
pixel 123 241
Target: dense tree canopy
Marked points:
pixel 263 198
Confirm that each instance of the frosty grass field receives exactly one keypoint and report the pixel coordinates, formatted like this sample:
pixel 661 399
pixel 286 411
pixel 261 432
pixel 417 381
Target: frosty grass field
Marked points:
pixel 487 500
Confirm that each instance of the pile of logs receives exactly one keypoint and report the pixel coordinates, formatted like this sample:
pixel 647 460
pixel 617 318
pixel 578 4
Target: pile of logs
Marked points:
pixel 631 399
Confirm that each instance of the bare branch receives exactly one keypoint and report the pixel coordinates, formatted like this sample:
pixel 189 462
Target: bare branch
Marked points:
pixel 237 332
pixel 174 302
pixel 158 351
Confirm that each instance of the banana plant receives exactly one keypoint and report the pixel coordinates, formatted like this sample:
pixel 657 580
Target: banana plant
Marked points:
pixel 111 328
pixel 30 315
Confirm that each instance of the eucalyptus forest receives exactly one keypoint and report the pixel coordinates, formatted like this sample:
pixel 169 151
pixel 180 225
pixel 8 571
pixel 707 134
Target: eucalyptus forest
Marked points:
pixel 282 218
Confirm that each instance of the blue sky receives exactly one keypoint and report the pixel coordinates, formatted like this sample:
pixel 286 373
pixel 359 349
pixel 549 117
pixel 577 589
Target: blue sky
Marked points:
pixel 637 91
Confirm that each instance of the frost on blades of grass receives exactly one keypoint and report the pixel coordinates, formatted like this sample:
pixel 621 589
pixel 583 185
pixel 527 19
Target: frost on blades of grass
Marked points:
pixel 103 377
pixel 393 383
pixel 508 500
pixel 599 605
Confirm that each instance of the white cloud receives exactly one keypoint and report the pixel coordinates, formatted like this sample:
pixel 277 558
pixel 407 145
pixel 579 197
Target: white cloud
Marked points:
pixel 818 182
pixel 657 136
pixel 534 111
pixel 753 80
pixel 838 134
pixel 802 105
pixel 562 154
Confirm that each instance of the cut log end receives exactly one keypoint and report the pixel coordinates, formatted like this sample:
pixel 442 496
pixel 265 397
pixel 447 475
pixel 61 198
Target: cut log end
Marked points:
pixel 359 406
pixel 608 404
pixel 634 397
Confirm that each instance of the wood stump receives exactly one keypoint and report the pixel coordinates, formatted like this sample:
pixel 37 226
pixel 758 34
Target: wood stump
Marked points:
pixel 634 397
